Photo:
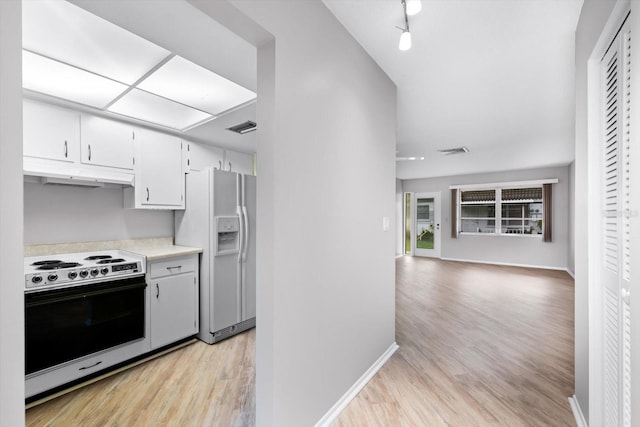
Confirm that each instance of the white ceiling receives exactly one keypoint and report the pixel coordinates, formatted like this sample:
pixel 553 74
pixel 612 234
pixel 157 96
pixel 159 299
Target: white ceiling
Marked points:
pixel 496 76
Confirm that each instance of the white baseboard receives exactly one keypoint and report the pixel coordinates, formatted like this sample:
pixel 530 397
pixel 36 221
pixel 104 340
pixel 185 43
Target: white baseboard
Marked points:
pixel 577 412
pixel 507 264
pixel 342 403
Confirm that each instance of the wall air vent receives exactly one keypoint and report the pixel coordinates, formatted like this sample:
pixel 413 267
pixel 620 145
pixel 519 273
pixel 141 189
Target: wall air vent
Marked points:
pixel 243 128
pixel 451 151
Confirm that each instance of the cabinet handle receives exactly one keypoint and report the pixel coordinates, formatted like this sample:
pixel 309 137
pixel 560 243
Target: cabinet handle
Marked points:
pixel 89 152
pixel 90 366
pixel 219 165
pixel 66 149
pixel 157 291
pixel 172 268
pixel 229 166
pixel 147 194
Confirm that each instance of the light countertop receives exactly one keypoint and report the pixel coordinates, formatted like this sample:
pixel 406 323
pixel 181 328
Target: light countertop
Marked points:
pixel 160 252
pixel 153 249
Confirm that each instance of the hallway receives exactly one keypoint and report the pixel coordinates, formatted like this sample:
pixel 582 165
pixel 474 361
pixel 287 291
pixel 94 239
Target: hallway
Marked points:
pixel 480 345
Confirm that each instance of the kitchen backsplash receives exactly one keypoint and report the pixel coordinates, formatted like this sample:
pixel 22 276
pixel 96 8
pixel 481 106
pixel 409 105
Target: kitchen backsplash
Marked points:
pixel 64 214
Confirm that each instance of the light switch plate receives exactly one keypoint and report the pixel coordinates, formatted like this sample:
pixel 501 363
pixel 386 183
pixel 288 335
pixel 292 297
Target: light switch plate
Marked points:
pixel 385 223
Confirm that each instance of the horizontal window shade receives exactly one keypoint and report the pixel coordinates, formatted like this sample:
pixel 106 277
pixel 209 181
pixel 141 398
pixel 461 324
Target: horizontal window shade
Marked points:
pixel 478 196
pixel 517 194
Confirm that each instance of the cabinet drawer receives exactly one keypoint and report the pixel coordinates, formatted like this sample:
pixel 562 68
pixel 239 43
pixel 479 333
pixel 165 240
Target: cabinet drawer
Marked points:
pixel 172 266
pixel 62 374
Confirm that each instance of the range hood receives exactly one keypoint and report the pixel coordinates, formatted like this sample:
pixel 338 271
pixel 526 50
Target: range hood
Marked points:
pixel 74 174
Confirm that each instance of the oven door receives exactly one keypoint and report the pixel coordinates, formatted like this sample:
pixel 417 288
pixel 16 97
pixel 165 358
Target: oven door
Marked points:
pixel 65 324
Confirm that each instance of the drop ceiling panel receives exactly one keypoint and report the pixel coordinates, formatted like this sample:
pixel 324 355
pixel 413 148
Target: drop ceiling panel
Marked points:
pixel 155 109
pixel 190 84
pixel 61 30
pixel 53 78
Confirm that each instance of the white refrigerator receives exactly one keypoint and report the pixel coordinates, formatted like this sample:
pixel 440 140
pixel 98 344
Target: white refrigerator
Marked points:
pixel 220 217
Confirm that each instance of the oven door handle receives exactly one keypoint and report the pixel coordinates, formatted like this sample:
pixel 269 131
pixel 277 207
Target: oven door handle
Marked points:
pixel 76 292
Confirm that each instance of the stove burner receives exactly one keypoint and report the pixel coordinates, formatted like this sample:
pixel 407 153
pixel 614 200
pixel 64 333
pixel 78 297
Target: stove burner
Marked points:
pixel 111 261
pixel 47 262
pixel 58 265
pixel 95 257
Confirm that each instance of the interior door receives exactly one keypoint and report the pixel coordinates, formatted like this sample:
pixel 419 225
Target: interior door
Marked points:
pixel 426 224
pixel 615 69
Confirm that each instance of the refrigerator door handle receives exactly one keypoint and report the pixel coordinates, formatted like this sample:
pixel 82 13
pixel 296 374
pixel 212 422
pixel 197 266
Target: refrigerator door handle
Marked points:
pixel 239 185
pixel 245 243
pixel 242 232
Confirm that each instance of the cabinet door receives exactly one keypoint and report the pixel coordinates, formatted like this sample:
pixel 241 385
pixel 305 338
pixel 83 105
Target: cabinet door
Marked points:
pixel 173 309
pixel 238 162
pixel 201 156
pixel 106 142
pixel 50 132
pixel 160 176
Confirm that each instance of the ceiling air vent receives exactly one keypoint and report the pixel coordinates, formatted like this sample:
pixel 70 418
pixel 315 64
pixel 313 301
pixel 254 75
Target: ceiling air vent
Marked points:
pixel 451 151
pixel 243 128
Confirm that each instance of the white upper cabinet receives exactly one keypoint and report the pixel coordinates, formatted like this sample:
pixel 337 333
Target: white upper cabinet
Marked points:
pixel 50 132
pixel 106 142
pixel 159 173
pixel 202 156
pixel 238 162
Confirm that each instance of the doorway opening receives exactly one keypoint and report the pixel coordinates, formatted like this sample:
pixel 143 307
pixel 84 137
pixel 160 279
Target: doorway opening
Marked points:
pixel 422 219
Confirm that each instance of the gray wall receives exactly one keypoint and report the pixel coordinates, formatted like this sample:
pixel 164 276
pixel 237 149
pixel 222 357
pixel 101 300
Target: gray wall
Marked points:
pixel 571 247
pixel 63 213
pixel 592 20
pixel 519 250
pixel 399 218
pixel 11 262
pixel 326 293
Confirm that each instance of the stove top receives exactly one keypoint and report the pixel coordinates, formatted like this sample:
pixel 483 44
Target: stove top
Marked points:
pixel 79 268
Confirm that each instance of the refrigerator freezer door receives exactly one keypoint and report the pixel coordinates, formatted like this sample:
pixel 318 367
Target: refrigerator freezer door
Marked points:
pixel 225 295
pixel 249 265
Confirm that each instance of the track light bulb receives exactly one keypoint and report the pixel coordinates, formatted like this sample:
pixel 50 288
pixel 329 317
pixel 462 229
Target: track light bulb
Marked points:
pixel 413 7
pixel 405 40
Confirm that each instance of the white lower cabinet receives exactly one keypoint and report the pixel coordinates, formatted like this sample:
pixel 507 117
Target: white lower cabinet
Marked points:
pixel 173 286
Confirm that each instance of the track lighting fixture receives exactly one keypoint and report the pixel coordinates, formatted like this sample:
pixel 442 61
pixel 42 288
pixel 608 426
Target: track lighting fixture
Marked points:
pixel 405 40
pixel 413 7
pixel 409 7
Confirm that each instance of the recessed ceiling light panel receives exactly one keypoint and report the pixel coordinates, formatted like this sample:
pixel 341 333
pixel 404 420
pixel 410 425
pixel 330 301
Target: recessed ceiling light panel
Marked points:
pixel 70 34
pixel 191 84
pixel 155 109
pixel 53 78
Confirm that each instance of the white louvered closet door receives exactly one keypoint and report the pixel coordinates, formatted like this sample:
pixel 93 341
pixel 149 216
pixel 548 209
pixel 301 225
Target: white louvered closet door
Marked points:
pixel 615 74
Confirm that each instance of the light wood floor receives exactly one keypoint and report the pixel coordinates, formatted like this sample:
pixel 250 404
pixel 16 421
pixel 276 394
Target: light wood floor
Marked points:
pixel 479 346
pixel 198 385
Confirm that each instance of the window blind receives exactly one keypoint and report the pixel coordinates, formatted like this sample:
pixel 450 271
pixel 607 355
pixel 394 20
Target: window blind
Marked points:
pixel 478 196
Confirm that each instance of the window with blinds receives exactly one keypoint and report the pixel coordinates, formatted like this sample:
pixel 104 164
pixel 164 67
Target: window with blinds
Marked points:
pixel 502 211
